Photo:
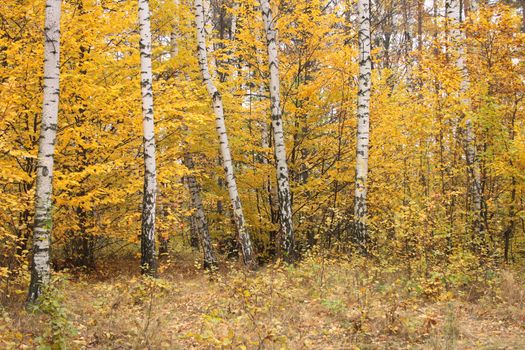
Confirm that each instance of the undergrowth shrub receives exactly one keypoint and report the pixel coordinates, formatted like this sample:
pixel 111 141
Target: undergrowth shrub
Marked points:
pixel 58 329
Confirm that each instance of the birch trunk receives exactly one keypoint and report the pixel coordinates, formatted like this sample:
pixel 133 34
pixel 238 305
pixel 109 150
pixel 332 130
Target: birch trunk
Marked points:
pixel 174 35
pixel 199 216
pixel 363 123
pixel 208 30
pixel 283 182
pixel 455 13
pixel 233 29
pixel 40 265
pixel 420 10
pixel 238 215
pixel 148 252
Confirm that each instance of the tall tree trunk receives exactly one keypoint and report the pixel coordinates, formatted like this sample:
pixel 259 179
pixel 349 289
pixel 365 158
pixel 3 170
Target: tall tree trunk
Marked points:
pixel 522 16
pixel 194 234
pixel 238 215
pixel 455 13
pixel 233 27
pixel 420 11
pixel 209 14
pixel 270 190
pixel 199 216
pixel 509 232
pixel 147 242
pixel 175 30
pixel 164 238
pixel 283 182
pixel 40 265
pixel 363 124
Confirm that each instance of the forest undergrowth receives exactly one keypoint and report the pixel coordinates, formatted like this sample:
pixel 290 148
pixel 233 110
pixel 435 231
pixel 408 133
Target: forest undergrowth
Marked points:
pixel 320 303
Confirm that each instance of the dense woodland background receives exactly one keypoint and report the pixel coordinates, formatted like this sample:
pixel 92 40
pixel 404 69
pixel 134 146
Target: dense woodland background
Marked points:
pixel 429 244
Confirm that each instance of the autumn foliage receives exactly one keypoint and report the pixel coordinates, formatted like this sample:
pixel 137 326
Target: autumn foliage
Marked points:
pixel 424 238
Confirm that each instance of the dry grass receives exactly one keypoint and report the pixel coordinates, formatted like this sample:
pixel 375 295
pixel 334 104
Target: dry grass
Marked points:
pixel 319 304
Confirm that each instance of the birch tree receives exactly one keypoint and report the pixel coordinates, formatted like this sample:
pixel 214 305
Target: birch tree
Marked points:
pixel 238 215
pixel 199 217
pixel 40 265
pixel 283 182
pixel 147 242
pixel 363 123
pixel 456 14
pixel 175 30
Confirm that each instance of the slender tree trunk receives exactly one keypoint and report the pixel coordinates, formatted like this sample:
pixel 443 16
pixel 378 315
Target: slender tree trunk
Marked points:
pixel 420 11
pixel 238 215
pixel 40 265
pixel 149 254
pixel 363 123
pixel 208 11
pixel 233 28
pixel 174 51
pixel 270 190
pixel 163 238
pixel 174 35
pixel 522 16
pixel 509 232
pixel 455 13
pixel 283 182
pixel 199 217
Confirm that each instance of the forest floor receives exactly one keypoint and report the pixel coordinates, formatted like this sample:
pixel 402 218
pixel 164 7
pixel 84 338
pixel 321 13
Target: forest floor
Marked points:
pixel 319 304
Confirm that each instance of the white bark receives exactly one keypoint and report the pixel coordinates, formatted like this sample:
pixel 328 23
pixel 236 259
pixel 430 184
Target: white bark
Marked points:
pixel 233 29
pixel 283 182
pixel 149 254
pixel 208 30
pixel 40 267
pixel 455 13
pixel 174 35
pixel 199 216
pixel 363 122
pixel 238 215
